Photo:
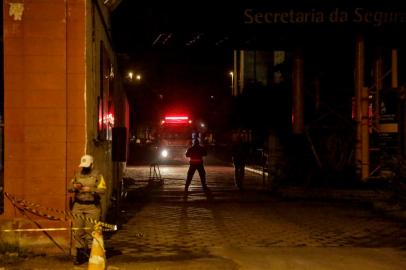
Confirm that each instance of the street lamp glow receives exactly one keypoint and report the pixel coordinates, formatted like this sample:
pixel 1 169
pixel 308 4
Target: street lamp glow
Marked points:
pixel 130 75
pixel 232 82
pixel 138 77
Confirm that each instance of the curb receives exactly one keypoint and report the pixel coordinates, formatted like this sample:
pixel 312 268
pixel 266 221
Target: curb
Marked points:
pixel 380 201
pixel 256 171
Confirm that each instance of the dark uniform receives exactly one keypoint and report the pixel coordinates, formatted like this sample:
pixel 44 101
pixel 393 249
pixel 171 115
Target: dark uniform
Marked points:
pixel 239 155
pixel 196 153
pixel 88 185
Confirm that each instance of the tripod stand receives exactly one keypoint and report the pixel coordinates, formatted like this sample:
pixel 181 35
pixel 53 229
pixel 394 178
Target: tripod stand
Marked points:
pixel 155 174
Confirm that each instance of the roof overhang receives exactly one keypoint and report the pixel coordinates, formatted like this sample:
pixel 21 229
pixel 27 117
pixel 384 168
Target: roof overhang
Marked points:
pixel 112 4
pixel 245 24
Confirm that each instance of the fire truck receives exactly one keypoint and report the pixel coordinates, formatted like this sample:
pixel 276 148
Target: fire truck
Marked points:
pixel 175 135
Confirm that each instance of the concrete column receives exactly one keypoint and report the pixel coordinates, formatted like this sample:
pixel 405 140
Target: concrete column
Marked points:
pixel 317 93
pixel 394 69
pixel 361 115
pixel 298 93
pixel 364 134
pixel 235 76
pixel 241 72
pixel 378 81
pixel 44 71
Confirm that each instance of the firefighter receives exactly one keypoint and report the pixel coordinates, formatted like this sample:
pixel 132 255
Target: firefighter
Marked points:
pixel 195 153
pixel 87 186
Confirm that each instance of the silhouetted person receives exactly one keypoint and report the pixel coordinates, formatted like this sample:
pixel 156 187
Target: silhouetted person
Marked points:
pixel 195 153
pixel 239 154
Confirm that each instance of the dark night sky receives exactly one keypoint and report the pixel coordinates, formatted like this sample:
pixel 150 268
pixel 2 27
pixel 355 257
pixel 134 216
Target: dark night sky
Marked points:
pixel 187 74
pixel 184 50
pixel 186 78
pixel 136 25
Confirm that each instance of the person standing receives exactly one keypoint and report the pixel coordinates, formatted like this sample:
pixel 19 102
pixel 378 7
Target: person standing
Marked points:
pixel 239 156
pixel 87 186
pixel 195 153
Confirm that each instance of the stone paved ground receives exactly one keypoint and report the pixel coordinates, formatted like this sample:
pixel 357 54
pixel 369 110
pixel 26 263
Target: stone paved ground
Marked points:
pixel 228 229
pixel 165 224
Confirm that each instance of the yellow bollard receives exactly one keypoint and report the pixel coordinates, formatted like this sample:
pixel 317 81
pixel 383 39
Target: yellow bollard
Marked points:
pixel 97 259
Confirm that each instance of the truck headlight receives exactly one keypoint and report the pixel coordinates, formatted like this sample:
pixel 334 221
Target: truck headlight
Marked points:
pixel 164 153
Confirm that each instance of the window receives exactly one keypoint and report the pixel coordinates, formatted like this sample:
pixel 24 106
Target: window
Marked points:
pixel 104 100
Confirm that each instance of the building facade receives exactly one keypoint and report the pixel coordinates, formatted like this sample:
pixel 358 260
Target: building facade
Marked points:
pixel 62 100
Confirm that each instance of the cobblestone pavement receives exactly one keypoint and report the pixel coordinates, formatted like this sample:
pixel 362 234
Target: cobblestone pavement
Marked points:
pixel 227 229
pixel 163 224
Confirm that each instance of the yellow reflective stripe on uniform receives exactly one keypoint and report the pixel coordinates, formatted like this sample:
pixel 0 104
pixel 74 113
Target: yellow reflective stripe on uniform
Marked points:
pixel 102 184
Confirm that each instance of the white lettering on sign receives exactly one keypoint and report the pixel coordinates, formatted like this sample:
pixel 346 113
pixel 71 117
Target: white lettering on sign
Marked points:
pixel 377 18
pixel 335 16
pixel 291 16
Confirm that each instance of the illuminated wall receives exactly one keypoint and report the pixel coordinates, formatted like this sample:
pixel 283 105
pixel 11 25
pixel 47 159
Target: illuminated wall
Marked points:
pixel 53 78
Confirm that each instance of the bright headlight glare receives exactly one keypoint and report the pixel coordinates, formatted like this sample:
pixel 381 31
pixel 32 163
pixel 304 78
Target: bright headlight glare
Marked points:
pixel 164 153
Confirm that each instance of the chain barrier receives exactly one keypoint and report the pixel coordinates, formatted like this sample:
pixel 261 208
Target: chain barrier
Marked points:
pixel 24 206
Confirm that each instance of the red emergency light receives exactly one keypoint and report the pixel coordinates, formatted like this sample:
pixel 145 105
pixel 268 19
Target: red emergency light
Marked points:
pixel 176 119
